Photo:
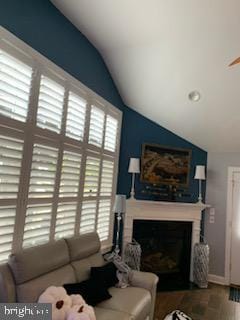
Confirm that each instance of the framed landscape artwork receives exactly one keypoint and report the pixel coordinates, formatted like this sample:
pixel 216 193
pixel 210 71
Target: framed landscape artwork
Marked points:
pixel 161 165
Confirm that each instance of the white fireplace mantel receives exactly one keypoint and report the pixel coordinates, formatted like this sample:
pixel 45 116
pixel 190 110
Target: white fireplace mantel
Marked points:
pixel 168 211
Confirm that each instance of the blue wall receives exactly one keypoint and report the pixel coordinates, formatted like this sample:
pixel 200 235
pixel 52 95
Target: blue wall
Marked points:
pixel 136 130
pixel 43 27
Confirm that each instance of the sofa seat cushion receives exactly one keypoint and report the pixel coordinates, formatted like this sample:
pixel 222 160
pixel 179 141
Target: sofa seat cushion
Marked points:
pixel 107 314
pixel 134 301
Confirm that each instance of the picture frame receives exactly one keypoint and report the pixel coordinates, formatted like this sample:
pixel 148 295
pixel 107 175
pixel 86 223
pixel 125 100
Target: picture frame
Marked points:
pixel 163 165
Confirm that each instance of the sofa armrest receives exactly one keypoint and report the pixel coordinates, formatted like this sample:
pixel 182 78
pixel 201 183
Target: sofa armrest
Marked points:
pixel 7 285
pixel 148 281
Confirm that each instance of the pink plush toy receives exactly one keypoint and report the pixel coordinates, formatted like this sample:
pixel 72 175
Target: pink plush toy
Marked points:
pixel 80 310
pixel 77 299
pixel 61 302
pixel 83 312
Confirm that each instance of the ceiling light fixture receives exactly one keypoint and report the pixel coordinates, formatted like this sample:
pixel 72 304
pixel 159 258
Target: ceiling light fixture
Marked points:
pixel 194 96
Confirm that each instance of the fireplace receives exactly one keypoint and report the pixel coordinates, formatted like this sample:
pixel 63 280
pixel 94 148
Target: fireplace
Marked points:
pixel 189 213
pixel 166 251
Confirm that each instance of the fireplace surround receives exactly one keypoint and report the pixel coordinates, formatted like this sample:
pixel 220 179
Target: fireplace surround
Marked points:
pixel 164 211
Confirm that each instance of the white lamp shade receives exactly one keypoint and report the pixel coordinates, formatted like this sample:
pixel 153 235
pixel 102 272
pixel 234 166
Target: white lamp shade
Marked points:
pixel 200 173
pixel 134 165
pixel 120 204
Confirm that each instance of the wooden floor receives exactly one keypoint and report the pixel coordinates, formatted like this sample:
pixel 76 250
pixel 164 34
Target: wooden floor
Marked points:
pixel 204 304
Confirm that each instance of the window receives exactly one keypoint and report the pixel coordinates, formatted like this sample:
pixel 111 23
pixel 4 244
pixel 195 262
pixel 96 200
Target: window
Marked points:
pixel 70 174
pixel 76 116
pixel 50 104
pixel 66 219
pixel 96 126
pixel 59 147
pixel 15 87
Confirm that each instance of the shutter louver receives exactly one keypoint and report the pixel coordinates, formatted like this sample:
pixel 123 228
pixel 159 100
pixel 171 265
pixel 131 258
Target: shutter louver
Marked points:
pixel 43 172
pixel 10 166
pixel 96 127
pixel 103 222
pixel 37 225
pixel 91 177
pixel 66 217
pixel 107 178
pixel 70 176
pixel 7 221
pixel 111 134
pixel 76 117
pixel 15 85
pixel 88 216
pixel 50 105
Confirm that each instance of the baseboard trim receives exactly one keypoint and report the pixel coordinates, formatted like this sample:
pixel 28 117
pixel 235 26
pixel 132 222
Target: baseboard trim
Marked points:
pixel 217 279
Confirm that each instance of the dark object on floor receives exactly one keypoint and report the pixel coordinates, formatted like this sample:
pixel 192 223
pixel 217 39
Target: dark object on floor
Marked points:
pixel 234 294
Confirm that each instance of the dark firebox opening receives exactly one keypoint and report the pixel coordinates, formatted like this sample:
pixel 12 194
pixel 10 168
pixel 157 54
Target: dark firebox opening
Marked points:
pixel 166 251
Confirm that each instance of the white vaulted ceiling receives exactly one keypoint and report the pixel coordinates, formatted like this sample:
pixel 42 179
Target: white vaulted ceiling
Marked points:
pixel 158 51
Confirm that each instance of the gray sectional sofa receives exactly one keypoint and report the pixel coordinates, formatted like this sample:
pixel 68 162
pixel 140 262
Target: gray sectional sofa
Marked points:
pixel 29 272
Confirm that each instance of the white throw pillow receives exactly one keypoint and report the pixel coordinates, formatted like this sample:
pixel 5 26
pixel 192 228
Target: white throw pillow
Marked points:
pixel 177 315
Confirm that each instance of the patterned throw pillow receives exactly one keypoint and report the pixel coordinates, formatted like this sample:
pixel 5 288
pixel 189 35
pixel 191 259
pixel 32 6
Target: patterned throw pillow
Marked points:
pixel 177 315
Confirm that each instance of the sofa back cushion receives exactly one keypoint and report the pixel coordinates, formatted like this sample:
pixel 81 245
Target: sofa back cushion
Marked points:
pixel 82 267
pixel 83 246
pixel 85 253
pixel 36 261
pixel 31 290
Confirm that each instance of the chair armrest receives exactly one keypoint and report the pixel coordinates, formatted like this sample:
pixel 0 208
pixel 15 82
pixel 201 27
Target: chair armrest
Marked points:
pixel 146 280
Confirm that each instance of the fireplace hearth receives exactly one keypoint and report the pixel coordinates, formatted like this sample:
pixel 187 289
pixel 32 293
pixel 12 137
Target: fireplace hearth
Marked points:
pixel 166 251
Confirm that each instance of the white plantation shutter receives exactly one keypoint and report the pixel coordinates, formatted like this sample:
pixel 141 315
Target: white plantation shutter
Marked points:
pixel 103 222
pixel 59 152
pixel 15 84
pixel 7 221
pixel 111 133
pixel 76 113
pixel 50 105
pixel 70 176
pixel 96 127
pixel 10 166
pixel 37 224
pixel 92 171
pixel 66 218
pixel 43 172
pixel 88 216
pixel 107 178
